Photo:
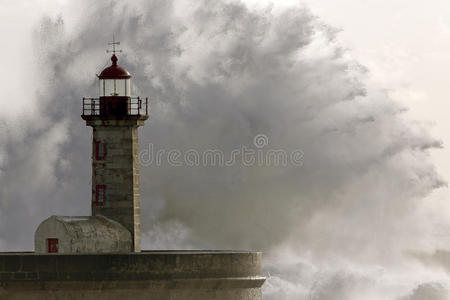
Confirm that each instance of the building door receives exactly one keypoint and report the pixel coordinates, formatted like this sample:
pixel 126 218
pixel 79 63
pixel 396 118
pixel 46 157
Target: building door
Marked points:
pixel 52 245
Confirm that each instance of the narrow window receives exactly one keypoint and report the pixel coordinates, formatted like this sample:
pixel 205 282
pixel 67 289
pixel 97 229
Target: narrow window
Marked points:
pixel 100 194
pixel 100 150
pixel 52 245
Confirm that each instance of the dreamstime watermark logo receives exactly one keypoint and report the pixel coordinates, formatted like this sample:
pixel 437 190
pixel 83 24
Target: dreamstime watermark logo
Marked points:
pixel 260 141
pixel 245 156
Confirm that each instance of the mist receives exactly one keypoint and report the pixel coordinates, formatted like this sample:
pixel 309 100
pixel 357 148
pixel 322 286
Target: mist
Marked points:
pixel 340 225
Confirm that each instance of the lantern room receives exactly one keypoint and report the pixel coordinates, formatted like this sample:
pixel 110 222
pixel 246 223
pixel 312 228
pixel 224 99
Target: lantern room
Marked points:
pixel 115 100
pixel 115 81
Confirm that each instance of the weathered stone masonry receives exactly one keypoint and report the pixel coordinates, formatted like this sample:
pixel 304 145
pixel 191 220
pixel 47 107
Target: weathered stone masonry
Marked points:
pixel 115 169
pixel 156 275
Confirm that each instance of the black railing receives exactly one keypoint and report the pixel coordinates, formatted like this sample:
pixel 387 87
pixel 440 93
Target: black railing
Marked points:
pixel 136 106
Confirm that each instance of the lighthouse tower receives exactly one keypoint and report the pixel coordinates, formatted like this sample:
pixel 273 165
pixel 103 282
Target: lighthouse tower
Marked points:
pixel 115 117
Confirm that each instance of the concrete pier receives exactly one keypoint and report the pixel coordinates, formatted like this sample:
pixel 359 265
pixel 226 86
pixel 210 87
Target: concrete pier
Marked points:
pixel 156 275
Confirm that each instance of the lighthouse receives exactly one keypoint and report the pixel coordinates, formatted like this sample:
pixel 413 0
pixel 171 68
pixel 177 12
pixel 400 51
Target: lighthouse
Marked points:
pixel 114 224
pixel 115 117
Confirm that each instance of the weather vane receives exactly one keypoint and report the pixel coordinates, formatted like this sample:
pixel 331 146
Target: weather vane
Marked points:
pixel 113 44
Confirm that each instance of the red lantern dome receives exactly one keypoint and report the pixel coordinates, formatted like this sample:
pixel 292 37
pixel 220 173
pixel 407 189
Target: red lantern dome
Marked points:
pixel 114 71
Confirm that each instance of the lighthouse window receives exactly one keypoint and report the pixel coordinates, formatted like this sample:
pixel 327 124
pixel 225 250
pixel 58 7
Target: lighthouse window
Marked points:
pixel 102 88
pixel 115 87
pixel 110 87
pixel 100 194
pixel 100 150
pixel 52 245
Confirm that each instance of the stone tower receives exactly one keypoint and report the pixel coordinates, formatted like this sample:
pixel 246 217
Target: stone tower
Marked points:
pixel 115 117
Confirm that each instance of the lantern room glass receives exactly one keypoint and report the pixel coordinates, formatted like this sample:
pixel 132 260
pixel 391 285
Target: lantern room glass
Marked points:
pixel 115 87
